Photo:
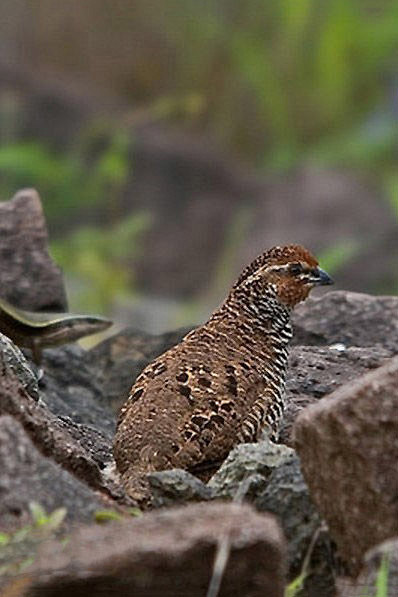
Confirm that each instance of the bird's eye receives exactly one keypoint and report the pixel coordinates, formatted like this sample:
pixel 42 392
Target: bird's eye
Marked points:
pixel 296 269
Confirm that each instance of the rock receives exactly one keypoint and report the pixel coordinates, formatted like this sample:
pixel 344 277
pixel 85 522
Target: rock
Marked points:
pixel 286 495
pixel 176 486
pixel 32 482
pixel 72 389
pixel 121 358
pixel 315 372
pixel 245 460
pixel 28 476
pixel 269 477
pixel 348 318
pixel 276 485
pixel 168 552
pixel 348 444
pixel 76 452
pixel 381 559
pixel 12 360
pixel 28 276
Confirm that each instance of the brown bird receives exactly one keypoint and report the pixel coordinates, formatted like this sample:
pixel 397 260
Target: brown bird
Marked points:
pixel 224 383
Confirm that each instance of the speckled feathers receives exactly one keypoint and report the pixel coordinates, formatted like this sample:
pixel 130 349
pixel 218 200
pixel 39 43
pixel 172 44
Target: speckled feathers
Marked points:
pixel 224 383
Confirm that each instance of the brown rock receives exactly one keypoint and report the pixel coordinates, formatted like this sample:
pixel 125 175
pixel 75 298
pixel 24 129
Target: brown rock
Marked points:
pixel 28 276
pixel 349 318
pixel 166 553
pixel 348 444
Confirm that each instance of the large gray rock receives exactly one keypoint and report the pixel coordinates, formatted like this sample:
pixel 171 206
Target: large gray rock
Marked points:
pixel 348 444
pixel 72 388
pixel 29 476
pixel 285 494
pixel 30 481
pixel 315 372
pixel 348 318
pixel 176 486
pixel 28 276
pixel 80 449
pixel 246 460
pixel 166 553
pixel 269 477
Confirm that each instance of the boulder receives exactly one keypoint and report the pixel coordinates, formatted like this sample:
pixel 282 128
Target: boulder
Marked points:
pixel 348 318
pixel 348 445
pixel 245 460
pixel 72 388
pixel 28 276
pixel 28 476
pixel 316 371
pixel 268 476
pixel 176 486
pixel 81 449
pixel 168 552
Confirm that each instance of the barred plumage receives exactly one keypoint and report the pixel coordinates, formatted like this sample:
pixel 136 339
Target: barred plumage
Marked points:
pixel 224 383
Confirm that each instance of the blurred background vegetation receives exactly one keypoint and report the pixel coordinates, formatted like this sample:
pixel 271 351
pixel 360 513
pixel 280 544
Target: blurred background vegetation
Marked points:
pixel 277 85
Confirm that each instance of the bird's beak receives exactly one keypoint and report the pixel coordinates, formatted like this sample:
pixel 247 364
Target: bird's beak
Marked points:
pixel 321 278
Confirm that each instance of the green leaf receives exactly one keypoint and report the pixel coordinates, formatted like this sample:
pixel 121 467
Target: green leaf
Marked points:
pixel 107 515
pixel 382 578
pixel 38 513
pixel 295 585
pixel 55 519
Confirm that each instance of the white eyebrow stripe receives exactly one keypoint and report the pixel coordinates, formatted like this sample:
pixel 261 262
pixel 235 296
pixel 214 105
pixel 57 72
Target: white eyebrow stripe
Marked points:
pixel 277 268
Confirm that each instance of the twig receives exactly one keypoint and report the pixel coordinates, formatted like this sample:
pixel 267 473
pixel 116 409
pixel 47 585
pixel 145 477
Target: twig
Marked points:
pixel 224 546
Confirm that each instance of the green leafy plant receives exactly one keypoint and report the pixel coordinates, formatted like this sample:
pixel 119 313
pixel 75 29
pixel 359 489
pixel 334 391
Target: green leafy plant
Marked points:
pixel 48 522
pixel 71 179
pixel 304 72
pixel 17 548
pixel 94 260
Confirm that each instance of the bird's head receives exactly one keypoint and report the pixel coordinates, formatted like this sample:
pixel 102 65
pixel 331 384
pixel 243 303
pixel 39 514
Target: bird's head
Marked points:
pixel 290 270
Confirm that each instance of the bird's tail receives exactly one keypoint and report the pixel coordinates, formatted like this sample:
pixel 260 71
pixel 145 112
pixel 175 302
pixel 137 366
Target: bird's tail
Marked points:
pixel 136 486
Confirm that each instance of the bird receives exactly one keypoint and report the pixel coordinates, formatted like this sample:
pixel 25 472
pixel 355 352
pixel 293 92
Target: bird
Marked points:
pixel 223 384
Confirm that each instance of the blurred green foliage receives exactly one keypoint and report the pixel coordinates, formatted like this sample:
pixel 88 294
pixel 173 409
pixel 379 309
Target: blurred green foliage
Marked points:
pixel 281 83
pixel 18 548
pixel 94 260
pixel 284 78
pixel 332 258
pixel 70 180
